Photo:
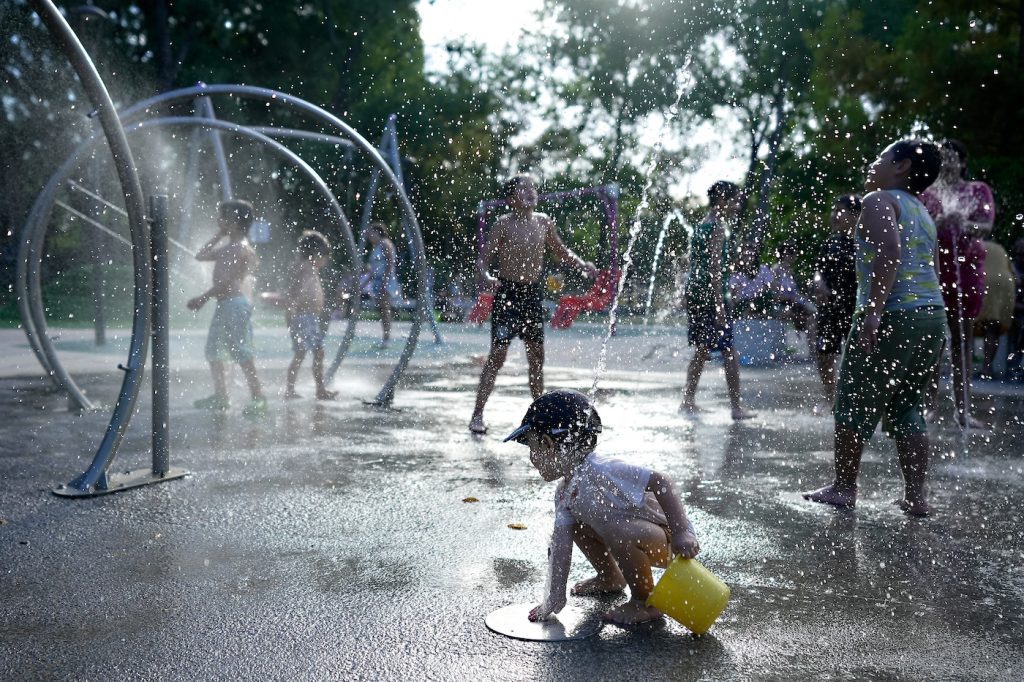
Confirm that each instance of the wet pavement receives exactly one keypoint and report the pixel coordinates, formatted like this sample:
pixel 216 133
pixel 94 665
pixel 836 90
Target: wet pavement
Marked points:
pixel 331 540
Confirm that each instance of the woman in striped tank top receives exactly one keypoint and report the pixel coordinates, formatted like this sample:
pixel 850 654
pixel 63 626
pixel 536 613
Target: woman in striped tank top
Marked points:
pixel 898 327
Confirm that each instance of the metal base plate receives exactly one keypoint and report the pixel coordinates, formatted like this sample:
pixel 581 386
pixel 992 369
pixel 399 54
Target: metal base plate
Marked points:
pixel 123 481
pixel 571 623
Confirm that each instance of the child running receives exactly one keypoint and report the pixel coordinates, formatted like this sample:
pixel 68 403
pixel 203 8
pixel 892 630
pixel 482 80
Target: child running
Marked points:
pixel 707 301
pixel 307 322
pixel 230 336
pixel 518 239
pixel 836 286
pixel 624 518
pixel 898 327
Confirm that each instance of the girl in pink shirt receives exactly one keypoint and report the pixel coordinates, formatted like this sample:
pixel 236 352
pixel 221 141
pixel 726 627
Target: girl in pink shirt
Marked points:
pixel 963 212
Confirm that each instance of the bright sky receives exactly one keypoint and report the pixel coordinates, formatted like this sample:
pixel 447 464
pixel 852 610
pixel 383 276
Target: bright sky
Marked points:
pixel 495 25
pixel 492 24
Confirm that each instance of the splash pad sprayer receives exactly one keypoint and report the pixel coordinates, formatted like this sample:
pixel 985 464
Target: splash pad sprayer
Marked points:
pixel 636 227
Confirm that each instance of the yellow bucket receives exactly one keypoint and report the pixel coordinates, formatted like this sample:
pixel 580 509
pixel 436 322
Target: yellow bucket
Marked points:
pixel 691 594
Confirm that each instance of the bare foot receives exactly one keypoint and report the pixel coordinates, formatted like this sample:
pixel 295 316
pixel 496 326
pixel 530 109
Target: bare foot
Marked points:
pixel 914 507
pixel 633 612
pixel 822 409
pixel 292 395
pixel 476 425
pixel 690 409
pixel 835 494
pixel 738 414
pixel 324 394
pixel 597 586
pixel 969 423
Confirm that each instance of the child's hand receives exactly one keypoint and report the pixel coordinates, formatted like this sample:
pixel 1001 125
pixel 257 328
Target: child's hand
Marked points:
pixel 685 545
pixel 544 610
pixel 196 303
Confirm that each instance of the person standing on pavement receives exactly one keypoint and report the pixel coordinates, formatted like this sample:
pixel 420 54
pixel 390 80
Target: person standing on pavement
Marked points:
pixel 518 240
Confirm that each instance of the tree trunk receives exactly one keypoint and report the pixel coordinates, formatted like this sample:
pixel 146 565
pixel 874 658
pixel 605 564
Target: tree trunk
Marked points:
pixel 768 174
pixel 159 33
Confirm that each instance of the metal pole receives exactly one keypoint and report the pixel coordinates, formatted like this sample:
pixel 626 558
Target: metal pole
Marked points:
pixel 129 179
pixel 161 334
pixel 98 276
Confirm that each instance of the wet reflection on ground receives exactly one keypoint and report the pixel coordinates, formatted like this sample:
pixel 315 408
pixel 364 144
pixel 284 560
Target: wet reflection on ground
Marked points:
pixel 333 538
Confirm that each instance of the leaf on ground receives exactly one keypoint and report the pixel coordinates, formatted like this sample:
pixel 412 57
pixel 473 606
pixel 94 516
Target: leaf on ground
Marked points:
pixel 517 526
pixel 470 499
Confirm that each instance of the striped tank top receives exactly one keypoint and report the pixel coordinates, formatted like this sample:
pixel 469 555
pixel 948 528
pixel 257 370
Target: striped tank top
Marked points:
pixel 916 285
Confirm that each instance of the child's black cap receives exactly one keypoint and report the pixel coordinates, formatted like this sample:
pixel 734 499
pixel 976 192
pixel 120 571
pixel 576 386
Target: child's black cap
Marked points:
pixel 561 414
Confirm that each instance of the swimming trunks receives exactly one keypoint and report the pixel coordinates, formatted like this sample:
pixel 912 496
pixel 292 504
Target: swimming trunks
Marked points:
pixel 230 334
pixel 517 311
pixel 307 332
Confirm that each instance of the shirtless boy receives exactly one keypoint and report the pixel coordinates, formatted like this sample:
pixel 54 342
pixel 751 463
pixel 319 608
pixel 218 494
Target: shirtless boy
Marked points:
pixel 518 239
pixel 307 323
pixel 230 334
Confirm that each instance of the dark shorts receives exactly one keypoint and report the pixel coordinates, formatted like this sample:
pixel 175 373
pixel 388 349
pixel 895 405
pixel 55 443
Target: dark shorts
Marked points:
pixel 888 384
pixel 833 327
pixel 518 311
pixel 705 333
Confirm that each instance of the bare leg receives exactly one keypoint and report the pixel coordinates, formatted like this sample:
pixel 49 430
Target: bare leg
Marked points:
pixel 693 372
pixel 249 369
pixel 220 378
pixel 636 545
pixel 913 453
pixel 318 376
pixel 732 383
pixel 962 355
pixel 535 363
pixel 827 371
pixel 384 305
pixel 293 373
pixel 609 579
pixel 495 360
pixel 843 490
pixel 991 346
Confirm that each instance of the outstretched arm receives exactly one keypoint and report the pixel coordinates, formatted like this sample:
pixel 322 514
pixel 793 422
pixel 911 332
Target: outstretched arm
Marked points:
pixel 684 540
pixel 879 227
pixel 559 560
pixel 490 249
pixel 563 253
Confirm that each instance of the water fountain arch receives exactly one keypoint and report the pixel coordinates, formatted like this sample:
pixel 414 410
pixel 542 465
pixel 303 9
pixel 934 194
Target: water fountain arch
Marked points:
pixel 29 248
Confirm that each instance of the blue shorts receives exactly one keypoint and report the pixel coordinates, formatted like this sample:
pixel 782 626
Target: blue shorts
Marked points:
pixel 307 331
pixel 703 331
pixel 230 336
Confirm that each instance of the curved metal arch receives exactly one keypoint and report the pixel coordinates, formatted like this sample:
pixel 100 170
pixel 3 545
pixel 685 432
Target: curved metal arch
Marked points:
pixel 35 230
pixel 97 93
pixel 386 394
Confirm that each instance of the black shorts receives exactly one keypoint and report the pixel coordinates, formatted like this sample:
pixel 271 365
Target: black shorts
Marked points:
pixel 517 311
pixel 833 328
pixel 705 333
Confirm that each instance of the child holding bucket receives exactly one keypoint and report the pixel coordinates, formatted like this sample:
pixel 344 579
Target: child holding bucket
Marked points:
pixel 623 517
